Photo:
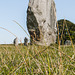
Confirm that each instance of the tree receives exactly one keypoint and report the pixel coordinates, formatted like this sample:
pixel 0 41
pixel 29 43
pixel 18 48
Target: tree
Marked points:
pixel 63 33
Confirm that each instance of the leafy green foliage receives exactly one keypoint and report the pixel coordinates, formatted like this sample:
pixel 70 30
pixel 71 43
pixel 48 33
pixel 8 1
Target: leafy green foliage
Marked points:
pixel 63 34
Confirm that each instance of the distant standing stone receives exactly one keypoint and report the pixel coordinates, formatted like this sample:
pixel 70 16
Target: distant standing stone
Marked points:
pixel 41 17
pixel 68 42
pixel 26 41
pixel 16 41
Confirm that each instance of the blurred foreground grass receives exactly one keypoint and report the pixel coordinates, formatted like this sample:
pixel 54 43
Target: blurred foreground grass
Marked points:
pixel 36 60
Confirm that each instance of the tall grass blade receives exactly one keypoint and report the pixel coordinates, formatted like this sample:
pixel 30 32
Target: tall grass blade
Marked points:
pixel 8 31
pixel 21 27
pixel 69 37
pixel 60 59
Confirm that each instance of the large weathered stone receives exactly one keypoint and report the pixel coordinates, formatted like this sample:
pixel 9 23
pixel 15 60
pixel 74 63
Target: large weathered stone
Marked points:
pixel 26 41
pixel 16 41
pixel 41 21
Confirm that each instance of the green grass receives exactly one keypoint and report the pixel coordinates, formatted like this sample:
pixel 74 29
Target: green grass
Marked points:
pixel 36 60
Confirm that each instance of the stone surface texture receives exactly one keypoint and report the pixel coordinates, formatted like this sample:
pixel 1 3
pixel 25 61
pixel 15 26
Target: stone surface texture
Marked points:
pixel 16 41
pixel 41 18
pixel 25 41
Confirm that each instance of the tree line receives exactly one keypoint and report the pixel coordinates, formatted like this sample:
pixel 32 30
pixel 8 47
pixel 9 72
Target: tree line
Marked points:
pixel 66 31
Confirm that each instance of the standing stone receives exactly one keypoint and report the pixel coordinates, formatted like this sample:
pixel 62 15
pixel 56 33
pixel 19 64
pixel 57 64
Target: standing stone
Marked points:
pixel 67 42
pixel 26 41
pixel 16 41
pixel 41 18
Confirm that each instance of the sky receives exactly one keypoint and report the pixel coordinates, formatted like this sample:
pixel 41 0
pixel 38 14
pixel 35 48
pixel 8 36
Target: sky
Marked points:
pixel 17 10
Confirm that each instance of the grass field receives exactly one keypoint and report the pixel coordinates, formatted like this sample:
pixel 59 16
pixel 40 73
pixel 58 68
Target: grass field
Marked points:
pixel 36 60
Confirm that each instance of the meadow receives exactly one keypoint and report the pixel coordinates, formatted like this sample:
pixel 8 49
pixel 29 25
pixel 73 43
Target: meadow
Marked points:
pixel 37 60
pixel 33 59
